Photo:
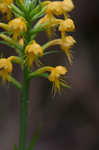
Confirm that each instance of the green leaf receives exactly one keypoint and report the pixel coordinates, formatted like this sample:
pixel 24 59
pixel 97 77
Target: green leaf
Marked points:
pixel 45 75
pixel 21 6
pixel 12 46
pixel 16 10
pixel 38 15
pixel 35 11
pixel 33 6
pixel 17 3
pixel 15 147
pixel 40 3
pixel 15 82
pixel 34 139
pixel 33 3
pixel 39 28
pixel 33 36
pixel 51 52
pixel 27 5
pixel 6 43
pixel 10 42
pixel 65 85
pixel 4 32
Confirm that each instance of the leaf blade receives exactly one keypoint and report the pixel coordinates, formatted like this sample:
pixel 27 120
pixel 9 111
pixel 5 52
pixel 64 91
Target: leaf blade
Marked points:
pixel 34 139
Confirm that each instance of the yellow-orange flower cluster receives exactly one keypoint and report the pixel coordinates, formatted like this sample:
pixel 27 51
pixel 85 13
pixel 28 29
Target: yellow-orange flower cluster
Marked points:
pixel 67 25
pixel 21 35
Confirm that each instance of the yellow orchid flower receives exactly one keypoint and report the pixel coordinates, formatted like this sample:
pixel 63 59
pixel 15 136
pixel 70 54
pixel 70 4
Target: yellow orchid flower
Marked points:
pixel 59 7
pixel 67 6
pixel 51 21
pixel 4 8
pixel 66 44
pixel 5 68
pixel 55 77
pixel 33 50
pixel 17 26
pixel 66 25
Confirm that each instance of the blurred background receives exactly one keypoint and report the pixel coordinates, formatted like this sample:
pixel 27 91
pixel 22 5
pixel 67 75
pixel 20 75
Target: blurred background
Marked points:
pixel 70 120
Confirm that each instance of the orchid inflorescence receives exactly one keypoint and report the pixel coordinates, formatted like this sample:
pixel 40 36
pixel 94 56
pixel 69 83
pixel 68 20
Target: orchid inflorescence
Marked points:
pixel 21 35
pixel 25 19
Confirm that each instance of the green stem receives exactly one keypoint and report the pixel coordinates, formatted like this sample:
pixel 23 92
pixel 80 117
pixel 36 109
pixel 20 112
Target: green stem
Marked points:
pixel 15 82
pixel 24 111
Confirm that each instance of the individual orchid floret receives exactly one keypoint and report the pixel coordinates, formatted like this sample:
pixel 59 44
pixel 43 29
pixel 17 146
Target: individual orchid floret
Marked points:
pixel 5 9
pixel 60 7
pixel 51 22
pixel 55 77
pixel 66 25
pixel 66 44
pixel 17 26
pixel 5 68
pixel 68 5
pixel 33 51
pixel 54 8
